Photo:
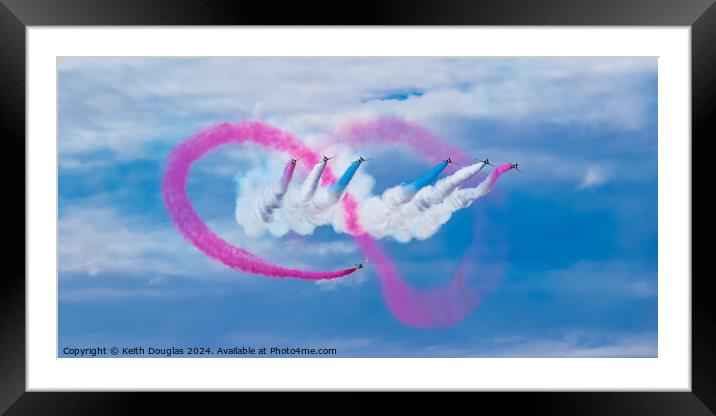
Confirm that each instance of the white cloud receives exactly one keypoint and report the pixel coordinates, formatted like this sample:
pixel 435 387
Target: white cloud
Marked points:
pixel 349 281
pixel 593 176
pixel 109 294
pixel 156 280
pixel 119 294
pixel 323 248
pixel 127 106
pixel 573 344
pixel 97 241
pixel 568 344
pixel 356 346
pixel 610 279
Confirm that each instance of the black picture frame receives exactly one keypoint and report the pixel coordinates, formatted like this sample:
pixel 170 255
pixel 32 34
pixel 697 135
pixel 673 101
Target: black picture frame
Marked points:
pixel 16 15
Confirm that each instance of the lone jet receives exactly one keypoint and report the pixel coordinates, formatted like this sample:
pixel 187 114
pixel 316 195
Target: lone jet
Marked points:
pixel 295 160
pixel 448 160
pixel 514 166
pixel 326 158
pixel 360 265
pixel 486 161
pixel 361 159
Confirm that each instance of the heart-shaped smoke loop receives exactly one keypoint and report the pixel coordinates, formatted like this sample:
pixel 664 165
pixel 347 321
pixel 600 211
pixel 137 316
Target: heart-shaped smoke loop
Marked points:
pixel 438 307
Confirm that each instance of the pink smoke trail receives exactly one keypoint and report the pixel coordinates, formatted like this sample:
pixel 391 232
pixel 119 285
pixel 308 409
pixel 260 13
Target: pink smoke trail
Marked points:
pixel 193 228
pixel 439 307
pixel 487 185
pixel 287 175
pixel 393 130
pixel 444 306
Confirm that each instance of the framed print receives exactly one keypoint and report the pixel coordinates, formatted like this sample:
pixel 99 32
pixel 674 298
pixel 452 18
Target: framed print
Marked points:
pixel 482 199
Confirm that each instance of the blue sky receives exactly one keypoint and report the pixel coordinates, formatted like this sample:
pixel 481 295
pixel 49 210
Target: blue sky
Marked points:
pixel 577 230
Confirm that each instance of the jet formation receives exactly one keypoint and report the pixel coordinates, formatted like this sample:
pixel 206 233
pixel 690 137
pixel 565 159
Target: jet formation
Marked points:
pixel 413 210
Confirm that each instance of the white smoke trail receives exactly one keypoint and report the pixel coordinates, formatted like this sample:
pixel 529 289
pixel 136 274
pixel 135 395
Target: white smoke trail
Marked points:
pixel 431 195
pixel 309 186
pixel 270 202
pixel 301 208
pixel 393 212
pixel 399 212
pixel 425 225
pixel 273 197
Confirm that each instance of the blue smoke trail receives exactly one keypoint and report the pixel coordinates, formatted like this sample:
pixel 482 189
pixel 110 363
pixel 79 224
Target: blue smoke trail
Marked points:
pixel 340 186
pixel 429 178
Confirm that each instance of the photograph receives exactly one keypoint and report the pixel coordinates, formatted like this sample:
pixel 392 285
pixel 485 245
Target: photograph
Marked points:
pixel 333 207
pixel 224 197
